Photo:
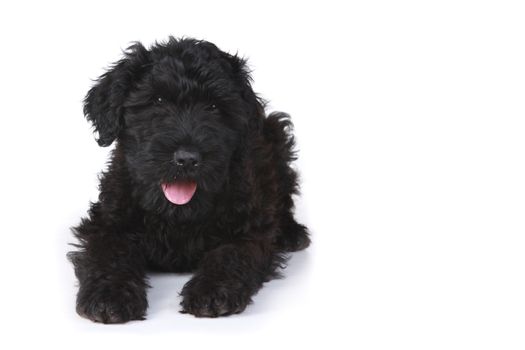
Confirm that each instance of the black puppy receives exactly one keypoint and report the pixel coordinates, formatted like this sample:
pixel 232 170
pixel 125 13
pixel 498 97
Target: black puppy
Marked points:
pixel 200 180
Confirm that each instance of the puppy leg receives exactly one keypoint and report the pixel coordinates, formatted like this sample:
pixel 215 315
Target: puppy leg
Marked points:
pixel 294 236
pixel 112 284
pixel 227 279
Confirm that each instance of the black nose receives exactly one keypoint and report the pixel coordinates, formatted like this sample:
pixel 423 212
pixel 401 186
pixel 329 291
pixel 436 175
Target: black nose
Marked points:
pixel 185 158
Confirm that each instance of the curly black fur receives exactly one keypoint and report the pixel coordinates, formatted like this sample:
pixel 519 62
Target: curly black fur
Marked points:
pixel 235 231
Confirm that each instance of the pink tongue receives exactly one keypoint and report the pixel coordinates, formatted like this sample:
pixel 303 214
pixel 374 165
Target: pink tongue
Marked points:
pixel 179 192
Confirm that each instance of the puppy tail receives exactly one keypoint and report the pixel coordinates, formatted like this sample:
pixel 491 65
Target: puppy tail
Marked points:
pixel 278 130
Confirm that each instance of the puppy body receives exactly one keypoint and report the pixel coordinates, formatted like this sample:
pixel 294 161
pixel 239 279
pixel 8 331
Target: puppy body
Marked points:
pixel 199 181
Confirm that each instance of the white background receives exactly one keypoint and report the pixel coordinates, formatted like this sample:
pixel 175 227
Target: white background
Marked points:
pixel 411 128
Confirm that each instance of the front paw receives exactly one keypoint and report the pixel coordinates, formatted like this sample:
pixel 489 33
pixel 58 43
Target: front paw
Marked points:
pixel 204 297
pixel 112 304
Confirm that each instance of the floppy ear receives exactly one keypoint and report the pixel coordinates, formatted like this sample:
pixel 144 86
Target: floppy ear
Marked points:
pixel 103 103
pixel 255 104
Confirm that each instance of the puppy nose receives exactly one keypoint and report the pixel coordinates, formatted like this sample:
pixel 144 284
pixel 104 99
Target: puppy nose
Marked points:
pixel 185 158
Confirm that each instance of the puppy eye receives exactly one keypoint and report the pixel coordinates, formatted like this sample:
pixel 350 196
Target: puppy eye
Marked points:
pixel 211 107
pixel 159 100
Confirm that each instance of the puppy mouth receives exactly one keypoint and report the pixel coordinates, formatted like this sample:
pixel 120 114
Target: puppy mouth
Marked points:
pixel 179 192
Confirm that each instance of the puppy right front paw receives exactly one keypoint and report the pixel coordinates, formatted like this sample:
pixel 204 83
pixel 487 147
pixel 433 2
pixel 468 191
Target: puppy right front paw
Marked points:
pixel 112 305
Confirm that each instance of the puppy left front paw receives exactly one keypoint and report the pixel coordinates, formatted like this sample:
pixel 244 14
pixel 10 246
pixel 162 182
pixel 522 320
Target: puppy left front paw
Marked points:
pixel 208 298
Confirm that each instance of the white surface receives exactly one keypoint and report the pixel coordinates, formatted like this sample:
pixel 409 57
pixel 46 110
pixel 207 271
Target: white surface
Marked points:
pixel 410 121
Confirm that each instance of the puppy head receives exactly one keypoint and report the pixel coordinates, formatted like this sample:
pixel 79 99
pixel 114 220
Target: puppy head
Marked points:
pixel 180 111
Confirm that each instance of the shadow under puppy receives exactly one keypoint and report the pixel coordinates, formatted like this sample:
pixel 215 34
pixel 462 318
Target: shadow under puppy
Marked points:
pixel 199 180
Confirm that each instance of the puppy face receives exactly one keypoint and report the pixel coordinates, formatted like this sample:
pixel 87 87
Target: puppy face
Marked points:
pixel 183 122
pixel 180 112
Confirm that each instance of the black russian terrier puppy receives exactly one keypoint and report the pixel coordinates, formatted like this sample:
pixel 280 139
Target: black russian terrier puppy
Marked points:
pixel 200 180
